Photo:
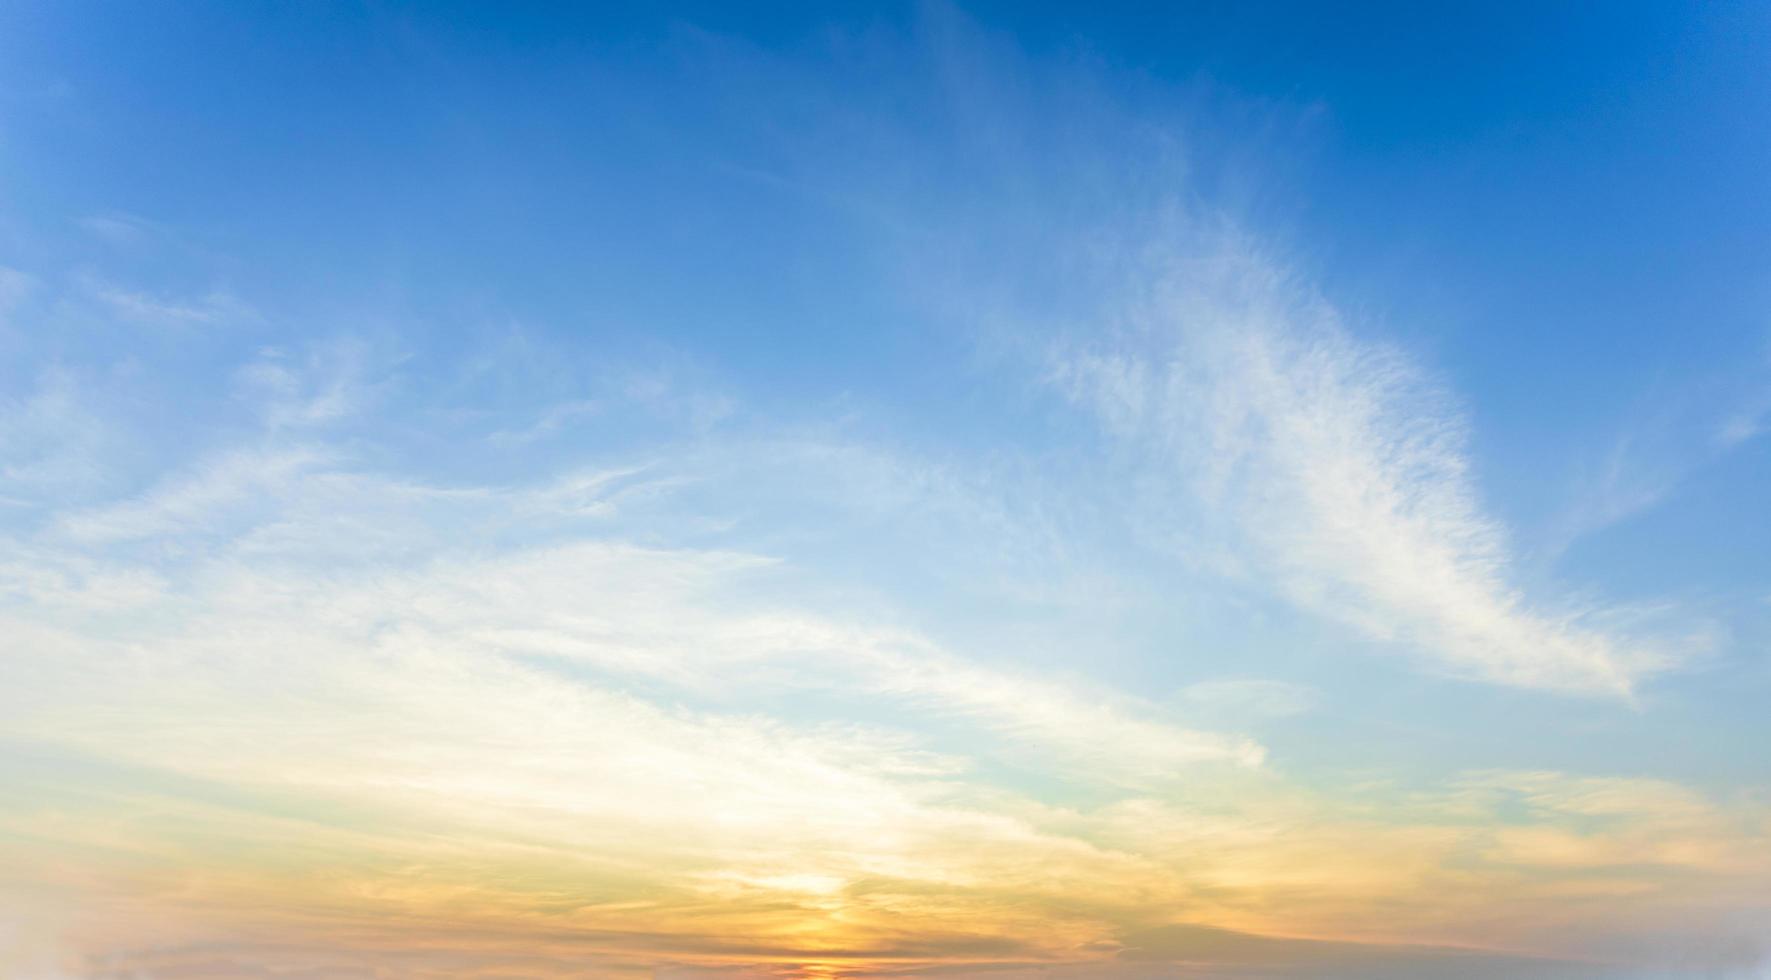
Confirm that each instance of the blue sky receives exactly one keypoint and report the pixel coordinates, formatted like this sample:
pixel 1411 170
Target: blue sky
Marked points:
pixel 1346 426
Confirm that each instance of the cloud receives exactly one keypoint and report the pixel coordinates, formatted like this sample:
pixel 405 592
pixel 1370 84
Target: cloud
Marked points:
pixel 674 711
pixel 1254 430
pixel 326 383
pixel 1209 952
pixel 458 729
pixel 1592 823
pixel 1248 697
pixel 1653 458
pixel 689 618
pixel 51 441
pixel 1628 481
pixel 119 229
pixel 1751 417
pixel 196 501
pixel 551 422
pixel 213 308
pixel 15 286
pixel 1338 464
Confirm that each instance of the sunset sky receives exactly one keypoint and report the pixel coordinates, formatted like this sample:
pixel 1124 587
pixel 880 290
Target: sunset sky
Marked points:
pixel 822 492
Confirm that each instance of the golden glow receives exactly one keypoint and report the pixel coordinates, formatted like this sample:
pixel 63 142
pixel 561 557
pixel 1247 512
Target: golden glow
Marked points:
pixel 471 769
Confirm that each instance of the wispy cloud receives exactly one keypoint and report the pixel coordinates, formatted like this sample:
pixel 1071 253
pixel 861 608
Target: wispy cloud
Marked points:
pixel 213 308
pixel 518 698
pixel 486 706
pixel 519 662
pixel 15 285
pixel 197 502
pixel 552 420
pixel 667 614
pixel 1648 463
pixel 320 384
pixel 1247 697
pixel 51 440
pixel 118 228
pixel 1751 417
pixel 1340 464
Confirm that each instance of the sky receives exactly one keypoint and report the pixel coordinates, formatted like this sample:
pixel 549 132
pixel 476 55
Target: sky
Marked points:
pixel 809 492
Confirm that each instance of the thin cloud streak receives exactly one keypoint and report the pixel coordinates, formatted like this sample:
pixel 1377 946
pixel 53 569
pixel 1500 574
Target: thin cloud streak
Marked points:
pixel 1339 466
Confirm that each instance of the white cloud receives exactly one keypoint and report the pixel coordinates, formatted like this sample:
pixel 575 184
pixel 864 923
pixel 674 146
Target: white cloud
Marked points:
pixel 324 384
pixel 692 619
pixel 626 733
pixel 486 701
pixel 583 707
pixel 1340 465
pixel 1749 420
pixel 1247 697
pixel 552 421
pixel 50 441
pixel 118 229
pixel 215 307
pixel 1648 463
pixel 194 502
pixel 15 285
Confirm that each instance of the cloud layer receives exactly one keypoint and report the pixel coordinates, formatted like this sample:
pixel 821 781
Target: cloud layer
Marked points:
pixel 1081 630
